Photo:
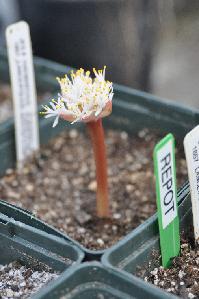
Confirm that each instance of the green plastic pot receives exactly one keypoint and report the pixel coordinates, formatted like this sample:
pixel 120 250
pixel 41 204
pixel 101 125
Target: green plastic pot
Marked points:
pixel 18 241
pixel 31 247
pixel 93 281
pixel 132 110
pixel 137 247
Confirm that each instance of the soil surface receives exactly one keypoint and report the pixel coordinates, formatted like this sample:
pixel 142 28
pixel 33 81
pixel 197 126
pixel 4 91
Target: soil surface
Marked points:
pixel 18 281
pixel 182 278
pixel 6 107
pixel 58 185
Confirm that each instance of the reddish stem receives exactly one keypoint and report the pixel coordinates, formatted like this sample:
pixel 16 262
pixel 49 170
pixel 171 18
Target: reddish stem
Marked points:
pixel 97 137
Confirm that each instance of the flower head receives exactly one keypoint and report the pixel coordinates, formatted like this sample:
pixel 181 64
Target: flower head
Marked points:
pixel 82 98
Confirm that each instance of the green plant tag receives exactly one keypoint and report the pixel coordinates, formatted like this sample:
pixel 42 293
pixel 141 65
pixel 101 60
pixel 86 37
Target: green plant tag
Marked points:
pixel 166 196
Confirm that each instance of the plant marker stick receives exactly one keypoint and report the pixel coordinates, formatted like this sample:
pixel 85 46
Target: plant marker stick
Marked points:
pixel 191 146
pixel 23 90
pixel 97 137
pixel 166 195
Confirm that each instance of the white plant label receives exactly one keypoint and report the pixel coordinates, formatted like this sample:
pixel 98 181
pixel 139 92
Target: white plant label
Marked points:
pixel 167 182
pixel 23 89
pixel 191 146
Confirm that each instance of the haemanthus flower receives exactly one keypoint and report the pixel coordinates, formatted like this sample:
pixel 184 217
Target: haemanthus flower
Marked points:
pixel 87 99
pixel 82 98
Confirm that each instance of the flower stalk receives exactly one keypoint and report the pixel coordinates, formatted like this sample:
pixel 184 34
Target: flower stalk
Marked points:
pixel 96 132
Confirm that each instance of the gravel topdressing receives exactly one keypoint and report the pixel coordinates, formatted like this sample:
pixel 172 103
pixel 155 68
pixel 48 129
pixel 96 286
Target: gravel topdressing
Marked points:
pixel 58 185
pixel 182 278
pixel 18 281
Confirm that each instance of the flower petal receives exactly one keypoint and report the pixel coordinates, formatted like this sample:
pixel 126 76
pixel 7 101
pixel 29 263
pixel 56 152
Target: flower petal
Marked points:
pixel 56 121
pixel 68 116
pixel 106 110
pixel 49 115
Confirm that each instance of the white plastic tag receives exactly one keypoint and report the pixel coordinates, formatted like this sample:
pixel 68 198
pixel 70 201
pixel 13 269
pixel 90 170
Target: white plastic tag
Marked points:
pixel 191 146
pixel 23 89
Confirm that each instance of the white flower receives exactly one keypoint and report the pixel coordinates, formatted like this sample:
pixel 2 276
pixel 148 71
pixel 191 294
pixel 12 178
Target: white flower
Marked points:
pixel 82 98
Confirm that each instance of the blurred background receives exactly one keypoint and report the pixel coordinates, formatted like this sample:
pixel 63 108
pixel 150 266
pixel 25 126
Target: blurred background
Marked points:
pixel 151 45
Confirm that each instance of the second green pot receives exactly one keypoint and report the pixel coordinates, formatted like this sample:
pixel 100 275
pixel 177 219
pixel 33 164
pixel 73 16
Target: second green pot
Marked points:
pixel 137 248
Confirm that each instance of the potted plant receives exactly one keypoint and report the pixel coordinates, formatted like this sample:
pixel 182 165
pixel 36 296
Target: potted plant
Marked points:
pixel 133 111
